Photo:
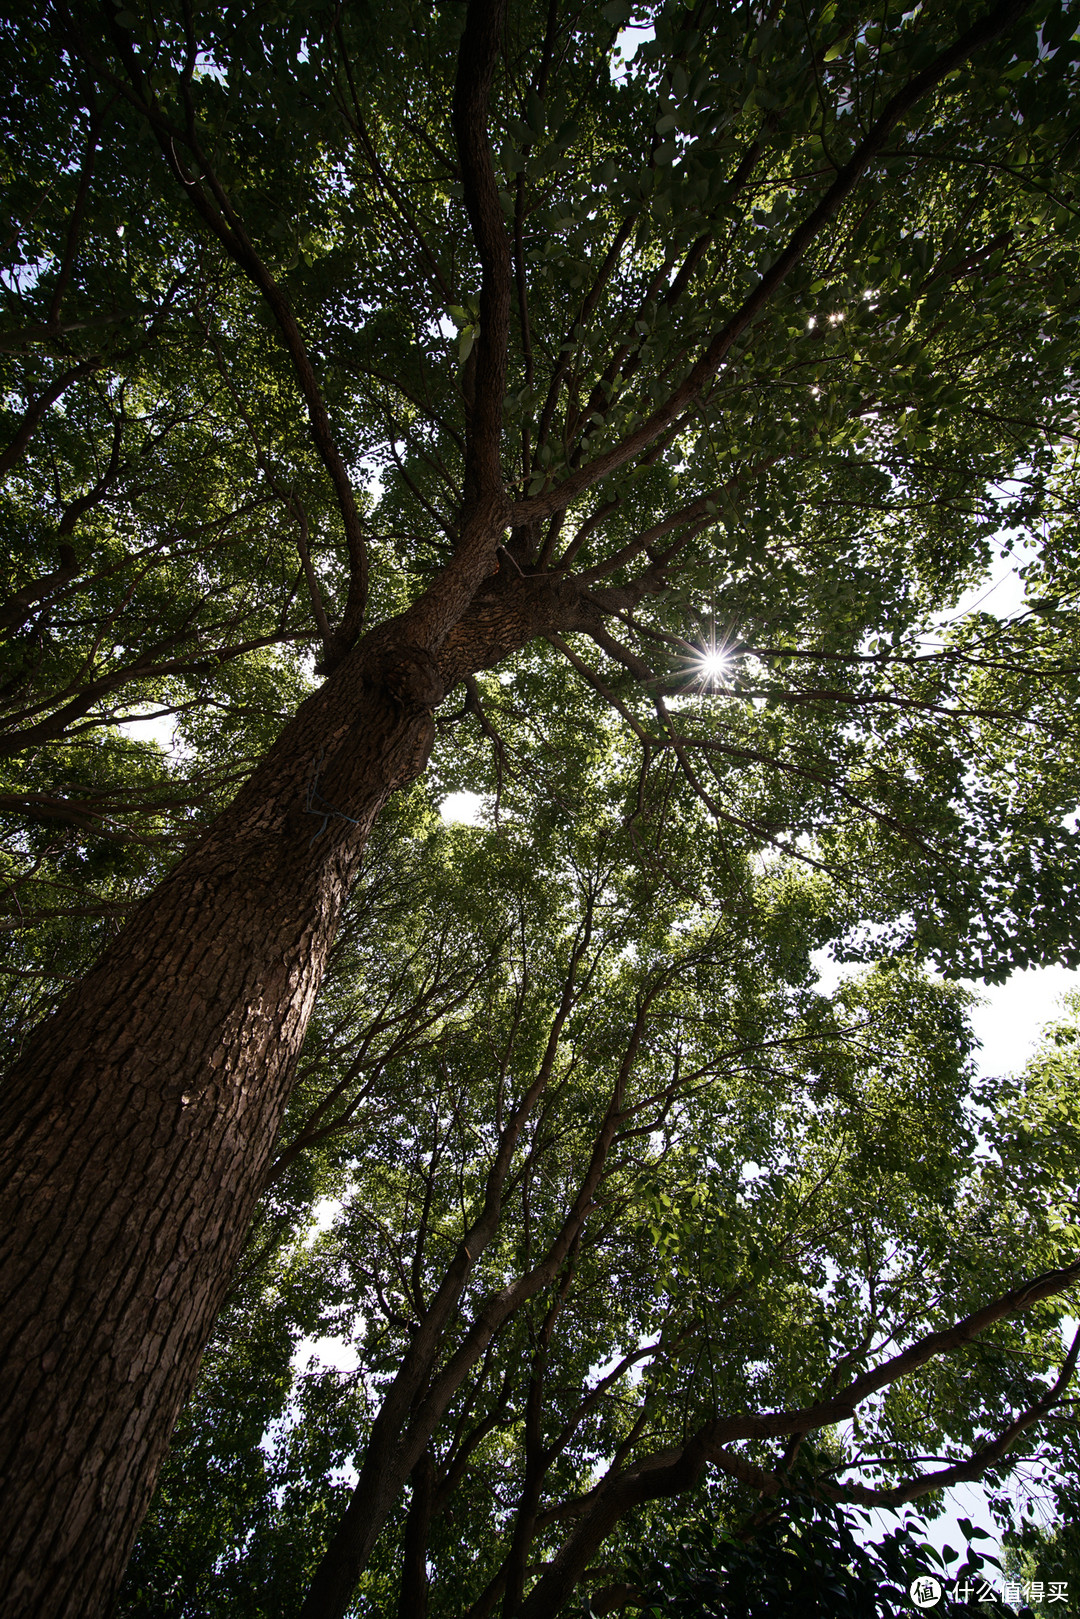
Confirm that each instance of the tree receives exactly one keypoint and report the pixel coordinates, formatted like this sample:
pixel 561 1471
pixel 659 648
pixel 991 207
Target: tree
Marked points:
pixel 759 1293
pixel 759 347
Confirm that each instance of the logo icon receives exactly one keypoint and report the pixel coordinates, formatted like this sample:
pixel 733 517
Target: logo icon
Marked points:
pixel 925 1592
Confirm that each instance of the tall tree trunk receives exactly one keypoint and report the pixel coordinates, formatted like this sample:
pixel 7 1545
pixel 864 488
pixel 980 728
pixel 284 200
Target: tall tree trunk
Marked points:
pixel 135 1135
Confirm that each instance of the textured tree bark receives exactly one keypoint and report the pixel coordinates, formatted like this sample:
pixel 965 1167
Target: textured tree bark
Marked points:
pixel 137 1131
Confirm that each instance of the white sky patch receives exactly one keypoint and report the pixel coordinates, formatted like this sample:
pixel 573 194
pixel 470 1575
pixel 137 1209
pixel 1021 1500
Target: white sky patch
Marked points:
pixel 152 727
pixel 311 1355
pixel 1002 594
pixel 25 277
pixel 1012 1016
pixel 464 808
pixel 627 42
pixel 831 973
pixel 965 1501
pixel 333 1354
pixel 1001 591
pixel 325 1213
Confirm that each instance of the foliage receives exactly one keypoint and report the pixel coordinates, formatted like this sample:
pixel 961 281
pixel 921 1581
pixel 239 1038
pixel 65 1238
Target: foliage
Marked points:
pixel 900 406
pixel 787 362
pixel 812 1560
pixel 798 1188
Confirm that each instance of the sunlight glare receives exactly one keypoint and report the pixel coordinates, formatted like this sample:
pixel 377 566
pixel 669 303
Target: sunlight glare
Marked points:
pixel 714 666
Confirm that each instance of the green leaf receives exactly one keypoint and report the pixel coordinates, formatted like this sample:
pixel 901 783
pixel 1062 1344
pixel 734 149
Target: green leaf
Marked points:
pixel 535 113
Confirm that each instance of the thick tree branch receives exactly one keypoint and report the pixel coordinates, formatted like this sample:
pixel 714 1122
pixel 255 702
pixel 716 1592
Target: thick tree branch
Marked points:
pixel 978 1463
pixel 37 407
pixel 987 29
pixel 15 610
pixel 413 1596
pixel 674 1471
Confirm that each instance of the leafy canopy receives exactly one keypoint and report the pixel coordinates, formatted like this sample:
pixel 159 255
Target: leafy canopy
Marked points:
pixel 789 357
pixel 788 364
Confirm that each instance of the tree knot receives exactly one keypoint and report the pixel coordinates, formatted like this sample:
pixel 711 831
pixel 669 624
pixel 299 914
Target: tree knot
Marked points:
pixel 411 677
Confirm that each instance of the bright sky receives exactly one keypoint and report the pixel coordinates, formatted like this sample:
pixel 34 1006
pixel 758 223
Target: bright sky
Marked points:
pixel 1012 1015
